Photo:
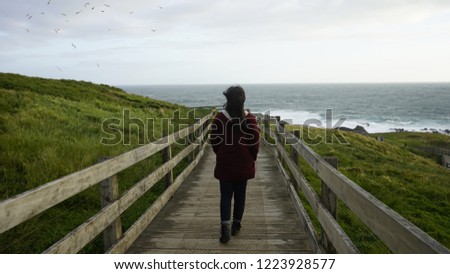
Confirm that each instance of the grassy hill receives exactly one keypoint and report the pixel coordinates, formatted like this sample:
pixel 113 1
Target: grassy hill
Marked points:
pixel 397 173
pixel 51 128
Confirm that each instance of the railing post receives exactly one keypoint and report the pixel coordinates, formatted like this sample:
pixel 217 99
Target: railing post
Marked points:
pixel 266 123
pixel 295 156
pixel 197 135
pixel 167 156
pixel 193 138
pixel 109 190
pixel 280 137
pixel 329 200
pixel 190 139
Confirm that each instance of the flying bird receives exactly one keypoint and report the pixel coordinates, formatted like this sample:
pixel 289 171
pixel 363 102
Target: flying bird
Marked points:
pixel 73 45
pixel 59 68
pixel 106 5
pixel 56 30
pixel 131 12
pixel 98 65
pixel 153 30
pixel 48 3
pixel 28 30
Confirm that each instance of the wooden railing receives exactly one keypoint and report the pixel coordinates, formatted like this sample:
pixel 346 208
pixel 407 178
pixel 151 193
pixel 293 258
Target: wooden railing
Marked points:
pixel 400 235
pixel 397 233
pixel 21 208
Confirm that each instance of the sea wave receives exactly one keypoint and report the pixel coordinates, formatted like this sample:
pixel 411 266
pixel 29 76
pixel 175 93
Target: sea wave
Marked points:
pixel 376 107
pixel 371 126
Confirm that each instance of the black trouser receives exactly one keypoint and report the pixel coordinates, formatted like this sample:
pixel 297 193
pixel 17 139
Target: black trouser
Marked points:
pixel 227 189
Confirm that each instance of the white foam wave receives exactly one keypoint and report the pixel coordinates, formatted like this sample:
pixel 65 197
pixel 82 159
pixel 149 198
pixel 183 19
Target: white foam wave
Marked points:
pixel 294 116
pixel 371 126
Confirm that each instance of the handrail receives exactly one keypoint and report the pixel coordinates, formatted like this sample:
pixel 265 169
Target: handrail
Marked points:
pixel 139 226
pixel 341 241
pixel 22 207
pixel 399 234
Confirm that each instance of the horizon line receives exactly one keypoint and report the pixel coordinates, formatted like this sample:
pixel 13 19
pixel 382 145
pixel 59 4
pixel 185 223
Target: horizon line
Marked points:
pixel 288 83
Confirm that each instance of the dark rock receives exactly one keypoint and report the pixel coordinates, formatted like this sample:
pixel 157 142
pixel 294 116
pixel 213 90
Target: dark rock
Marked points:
pixel 360 130
pixel 398 129
pixel 357 129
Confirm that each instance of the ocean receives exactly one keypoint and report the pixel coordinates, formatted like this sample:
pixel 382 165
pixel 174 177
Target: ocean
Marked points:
pixel 376 107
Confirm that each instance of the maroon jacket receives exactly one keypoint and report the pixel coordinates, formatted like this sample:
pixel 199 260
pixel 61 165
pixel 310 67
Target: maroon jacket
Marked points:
pixel 236 150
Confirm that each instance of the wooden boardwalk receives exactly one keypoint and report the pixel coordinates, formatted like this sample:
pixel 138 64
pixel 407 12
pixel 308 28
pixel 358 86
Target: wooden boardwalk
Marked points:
pixel 190 222
pixel 185 217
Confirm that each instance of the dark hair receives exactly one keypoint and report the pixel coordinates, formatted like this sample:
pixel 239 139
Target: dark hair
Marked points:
pixel 235 102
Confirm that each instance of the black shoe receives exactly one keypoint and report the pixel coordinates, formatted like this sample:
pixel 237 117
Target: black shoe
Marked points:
pixel 235 227
pixel 224 234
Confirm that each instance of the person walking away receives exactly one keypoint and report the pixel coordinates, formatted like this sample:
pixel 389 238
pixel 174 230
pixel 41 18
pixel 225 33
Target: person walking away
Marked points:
pixel 234 138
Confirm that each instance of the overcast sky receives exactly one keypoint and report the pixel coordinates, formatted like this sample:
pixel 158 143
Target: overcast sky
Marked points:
pixel 223 41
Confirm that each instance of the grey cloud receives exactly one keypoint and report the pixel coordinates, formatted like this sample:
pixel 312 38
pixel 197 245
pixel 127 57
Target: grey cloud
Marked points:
pixel 208 29
pixel 217 20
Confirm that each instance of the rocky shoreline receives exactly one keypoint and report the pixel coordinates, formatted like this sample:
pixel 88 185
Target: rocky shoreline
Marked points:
pixel 363 131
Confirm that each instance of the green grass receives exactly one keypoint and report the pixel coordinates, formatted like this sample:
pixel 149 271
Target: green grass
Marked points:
pixel 51 128
pixel 416 187
pixel 418 142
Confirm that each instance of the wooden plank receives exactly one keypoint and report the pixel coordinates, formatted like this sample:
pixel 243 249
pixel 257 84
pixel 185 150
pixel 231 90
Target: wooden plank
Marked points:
pixel 266 127
pixel 213 244
pixel 399 234
pixel 219 251
pixel 301 182
pixel 136 229
pixel 28 204
pixel 109 192
pixel 301 211
pixel 251 229
pixel 329 200
pixel 210 234
pixel 78 238
pixel 85 233
pixel 192 215
pixel 133 194
pixel 24 206
pixel 82 235
pixel 294 153
pixel 309 227
pixel 269 133
pixel 166 156
pixel 336 235
pixel 279 127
